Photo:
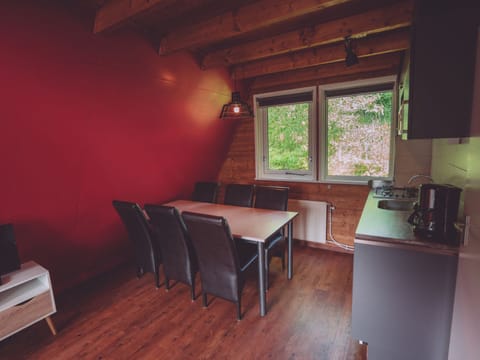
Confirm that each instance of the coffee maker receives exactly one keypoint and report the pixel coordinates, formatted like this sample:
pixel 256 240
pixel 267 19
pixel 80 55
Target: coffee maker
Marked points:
pixel 436 212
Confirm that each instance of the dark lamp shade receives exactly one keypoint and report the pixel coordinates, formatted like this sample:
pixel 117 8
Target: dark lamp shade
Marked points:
pixel 236 109
pixel 350 58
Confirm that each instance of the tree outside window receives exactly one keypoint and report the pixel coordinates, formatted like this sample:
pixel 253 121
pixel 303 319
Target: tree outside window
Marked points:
pixel 359 134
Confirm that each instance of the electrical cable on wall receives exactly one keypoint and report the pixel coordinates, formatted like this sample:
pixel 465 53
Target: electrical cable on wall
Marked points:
pixel 332 240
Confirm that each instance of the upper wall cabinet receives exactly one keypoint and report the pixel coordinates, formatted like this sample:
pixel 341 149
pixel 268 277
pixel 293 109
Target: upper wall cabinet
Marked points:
pixel 441 69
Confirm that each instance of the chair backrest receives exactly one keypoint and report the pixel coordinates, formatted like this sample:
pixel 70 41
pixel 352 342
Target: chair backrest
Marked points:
pixel 178 255
pixel 139 234
pixel 216 253
pixel 239 194
pixel 205 191
pixel 271 197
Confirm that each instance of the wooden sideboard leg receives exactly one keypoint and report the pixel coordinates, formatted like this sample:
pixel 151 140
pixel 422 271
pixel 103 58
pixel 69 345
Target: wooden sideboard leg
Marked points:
pixel 51 325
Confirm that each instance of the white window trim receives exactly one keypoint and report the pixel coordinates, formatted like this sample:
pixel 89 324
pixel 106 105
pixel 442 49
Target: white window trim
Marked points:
pixel 322 136
pixel 261 141
pixel 318 134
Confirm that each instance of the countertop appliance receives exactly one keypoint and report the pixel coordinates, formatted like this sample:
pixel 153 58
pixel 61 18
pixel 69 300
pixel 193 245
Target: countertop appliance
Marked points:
pixel 436 211
pixel 391 192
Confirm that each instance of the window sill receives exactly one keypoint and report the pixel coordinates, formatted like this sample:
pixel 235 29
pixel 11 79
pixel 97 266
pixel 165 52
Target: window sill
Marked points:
pixel 325 182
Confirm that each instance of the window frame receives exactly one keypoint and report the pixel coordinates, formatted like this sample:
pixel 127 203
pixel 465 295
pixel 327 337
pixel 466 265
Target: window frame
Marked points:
pixel 261 139
pixel 318 133
pixel 352 88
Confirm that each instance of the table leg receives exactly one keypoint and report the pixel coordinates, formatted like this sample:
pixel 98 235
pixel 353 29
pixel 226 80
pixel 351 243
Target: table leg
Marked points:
pixel 290 250
pixel 261 279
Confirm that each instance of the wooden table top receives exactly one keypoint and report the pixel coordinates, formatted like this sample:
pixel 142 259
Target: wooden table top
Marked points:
pixel 246 223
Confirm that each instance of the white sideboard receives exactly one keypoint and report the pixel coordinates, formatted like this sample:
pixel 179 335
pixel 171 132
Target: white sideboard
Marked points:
pixel 26 297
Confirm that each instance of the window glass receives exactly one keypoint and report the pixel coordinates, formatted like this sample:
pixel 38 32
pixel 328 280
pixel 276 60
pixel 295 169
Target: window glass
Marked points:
pixel 287 144
pixel 359 132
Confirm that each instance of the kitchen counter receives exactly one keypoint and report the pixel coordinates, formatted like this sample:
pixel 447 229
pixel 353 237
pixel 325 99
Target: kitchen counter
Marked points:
pixel 391 227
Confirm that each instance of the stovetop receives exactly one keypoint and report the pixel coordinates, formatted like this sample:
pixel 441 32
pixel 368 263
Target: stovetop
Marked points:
pixel 390 192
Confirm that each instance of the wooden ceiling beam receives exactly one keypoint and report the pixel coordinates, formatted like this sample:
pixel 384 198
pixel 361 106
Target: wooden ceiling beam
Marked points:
pixel 371 45
pixel 116 12
pixel 239 21
pixel 387 63
pixel 327 80
pixel 387 18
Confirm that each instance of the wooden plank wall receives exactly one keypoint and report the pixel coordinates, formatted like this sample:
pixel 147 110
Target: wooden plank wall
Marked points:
pixel 239 167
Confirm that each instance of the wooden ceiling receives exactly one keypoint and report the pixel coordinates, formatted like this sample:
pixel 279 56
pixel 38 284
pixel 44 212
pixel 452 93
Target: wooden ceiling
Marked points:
pixel 271 44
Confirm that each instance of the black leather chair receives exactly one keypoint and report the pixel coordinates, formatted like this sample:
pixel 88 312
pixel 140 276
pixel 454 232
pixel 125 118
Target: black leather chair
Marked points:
pixel 178 255
pixel 239 195
pixel 147 253
pixel 273 198
pixel 221 266
pixel 205 191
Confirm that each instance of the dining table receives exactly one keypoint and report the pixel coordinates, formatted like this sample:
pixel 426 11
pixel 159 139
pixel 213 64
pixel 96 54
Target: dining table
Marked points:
pixel 251 224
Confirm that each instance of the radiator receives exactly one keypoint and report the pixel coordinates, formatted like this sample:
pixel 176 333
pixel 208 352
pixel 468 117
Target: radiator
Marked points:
pixel 311 222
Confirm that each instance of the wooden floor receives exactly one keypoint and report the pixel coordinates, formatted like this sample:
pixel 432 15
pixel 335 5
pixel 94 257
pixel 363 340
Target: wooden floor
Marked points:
pixel 118 316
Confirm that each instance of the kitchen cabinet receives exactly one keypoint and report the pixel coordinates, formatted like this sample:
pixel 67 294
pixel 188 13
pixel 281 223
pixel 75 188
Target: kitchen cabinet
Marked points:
pixel 403 301
pixel 440 69
pixel 404 96
pixel 403 286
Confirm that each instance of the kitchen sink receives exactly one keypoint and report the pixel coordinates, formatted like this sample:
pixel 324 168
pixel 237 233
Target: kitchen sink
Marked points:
pixel 396 205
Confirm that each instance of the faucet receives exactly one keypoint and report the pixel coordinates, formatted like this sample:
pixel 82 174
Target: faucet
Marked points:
pixel 419 176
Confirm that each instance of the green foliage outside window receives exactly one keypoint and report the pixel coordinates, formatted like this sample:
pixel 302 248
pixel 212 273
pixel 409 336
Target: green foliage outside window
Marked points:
pixel 288 137
pixel 359 128
pixel 358 135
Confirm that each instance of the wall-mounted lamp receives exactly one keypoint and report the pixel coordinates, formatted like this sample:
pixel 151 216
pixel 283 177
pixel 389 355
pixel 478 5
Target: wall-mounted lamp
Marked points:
pixel 236 108
pixel 351 58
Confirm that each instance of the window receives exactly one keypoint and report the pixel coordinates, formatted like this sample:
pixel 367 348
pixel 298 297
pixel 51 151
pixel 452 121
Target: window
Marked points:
pixel 285 138
pixel 349 139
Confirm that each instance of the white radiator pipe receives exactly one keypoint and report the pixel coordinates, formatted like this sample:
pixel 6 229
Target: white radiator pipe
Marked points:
pixel 332 240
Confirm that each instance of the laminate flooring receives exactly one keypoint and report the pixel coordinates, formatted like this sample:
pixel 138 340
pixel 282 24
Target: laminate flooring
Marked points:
pixel 117 316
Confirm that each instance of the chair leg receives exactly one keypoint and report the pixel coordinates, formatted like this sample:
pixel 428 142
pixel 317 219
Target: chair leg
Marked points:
pixel 167 284
pixel 139 272
pixel 239 310
pixel 204 296
pixel 157 279
pixel 193 291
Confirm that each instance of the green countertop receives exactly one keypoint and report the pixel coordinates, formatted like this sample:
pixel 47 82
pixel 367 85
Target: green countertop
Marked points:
pixel 391 227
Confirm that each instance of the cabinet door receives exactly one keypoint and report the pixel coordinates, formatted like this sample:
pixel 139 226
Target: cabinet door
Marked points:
pixel 403 97
pixel 442 68
pixel 402 302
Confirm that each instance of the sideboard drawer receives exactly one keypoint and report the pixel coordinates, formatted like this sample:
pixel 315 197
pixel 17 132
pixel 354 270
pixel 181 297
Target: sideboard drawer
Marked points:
pixel 22 315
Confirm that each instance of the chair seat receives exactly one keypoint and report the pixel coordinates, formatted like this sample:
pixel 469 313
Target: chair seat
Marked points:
pixel 247 253
pixel 273 198
pixel 273 240
pixel 275 247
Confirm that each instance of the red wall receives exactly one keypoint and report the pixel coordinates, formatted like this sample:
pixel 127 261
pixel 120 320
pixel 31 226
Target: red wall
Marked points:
pixel 90 118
